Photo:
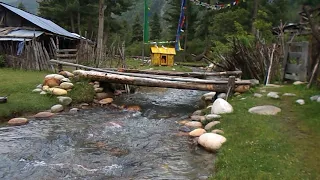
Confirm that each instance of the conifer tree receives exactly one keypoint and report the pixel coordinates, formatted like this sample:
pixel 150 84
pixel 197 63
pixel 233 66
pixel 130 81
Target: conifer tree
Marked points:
pixel 137 31
pixel 155 27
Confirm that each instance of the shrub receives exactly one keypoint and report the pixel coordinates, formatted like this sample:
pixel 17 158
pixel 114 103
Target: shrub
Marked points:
pixel 82 92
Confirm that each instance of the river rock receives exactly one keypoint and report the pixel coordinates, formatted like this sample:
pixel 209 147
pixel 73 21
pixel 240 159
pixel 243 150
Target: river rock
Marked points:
pixel 289 95
pixel 56 108
pixel 98 90
pixel 18 121
pixel 65 80
pixel 37 90
pixel 51 82
pixel 74 110
pixel 318 100
pixel 49 76
pixel 254 82
pixel 65 101
pixel 45 88
pixel 96 86
pixel 183 122
pixel 257 95
pixel 184 129
pixel 222 95
pixel 197 132
pixel 210 117
pixel 208 96
pixel 59 77
pixel 298 83
pixel 133 108
pixel 273 95
pixel 103 95
pixel 221 106
pixel 58 91
pixel 39 86
pixel 66 85
pixel 42 115
pixel 242 88
pixel 265 110
pixel 106 101
pixel 300 101
pixel 66 74
pixel 211 141
pixel 211 125
pixel 197 113
pixel 314 98
pixel 194 124
pixel 198 118
pixel 43 93
pixel 217 131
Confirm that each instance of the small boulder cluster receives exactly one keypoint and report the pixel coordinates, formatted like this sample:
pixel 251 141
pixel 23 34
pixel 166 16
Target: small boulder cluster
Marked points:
pixel 204 128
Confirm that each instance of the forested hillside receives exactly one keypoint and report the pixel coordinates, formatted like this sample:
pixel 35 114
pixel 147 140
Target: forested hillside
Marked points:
pixel 30 5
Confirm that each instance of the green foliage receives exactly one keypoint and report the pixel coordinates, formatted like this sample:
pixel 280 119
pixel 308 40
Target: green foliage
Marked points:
pixel 21 6
pixel 82 92
pixel 155 27
pixel 137 30
pixel 264 26
pixel 2 61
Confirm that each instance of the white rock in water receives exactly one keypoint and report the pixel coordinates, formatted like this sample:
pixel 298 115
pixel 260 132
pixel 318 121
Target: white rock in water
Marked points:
pixel 273 95
pixel 65 100
pixel 300 101
pixel 222 95
pixel 211 141
pixel 212 116
pixel 66 85
pixel 37 90
pixel 289 94
pixel 56 108
pixel 74 110
pixel 209 95
pixel 221 106
pixel 265 110
pixel 211 125
pixel 257 95
pixel 314 98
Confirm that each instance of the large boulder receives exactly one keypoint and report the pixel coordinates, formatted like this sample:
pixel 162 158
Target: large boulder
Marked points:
pixel 197 132
pixel 18 121
pixel 56 108
pixel 221 106
pixel 265 110
pixel 211 125
pixel 66 85
pixel 65 101
pixel 57 91
pixel 211 141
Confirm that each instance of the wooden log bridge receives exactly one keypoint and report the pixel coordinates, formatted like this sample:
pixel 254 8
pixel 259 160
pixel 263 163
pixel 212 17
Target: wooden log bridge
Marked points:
pixel 150 80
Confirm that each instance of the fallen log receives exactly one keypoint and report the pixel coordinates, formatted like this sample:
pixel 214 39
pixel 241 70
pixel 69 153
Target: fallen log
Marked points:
pixel 217 86
pixel 165 78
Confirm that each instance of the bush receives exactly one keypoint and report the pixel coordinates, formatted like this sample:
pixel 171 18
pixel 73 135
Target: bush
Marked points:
pixel 2 61
pixel 82 92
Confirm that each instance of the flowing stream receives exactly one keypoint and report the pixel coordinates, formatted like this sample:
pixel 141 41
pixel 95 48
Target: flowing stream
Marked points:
pixel 105 143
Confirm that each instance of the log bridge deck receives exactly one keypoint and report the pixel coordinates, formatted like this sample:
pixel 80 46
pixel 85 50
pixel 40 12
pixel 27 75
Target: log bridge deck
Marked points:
pixel 178 80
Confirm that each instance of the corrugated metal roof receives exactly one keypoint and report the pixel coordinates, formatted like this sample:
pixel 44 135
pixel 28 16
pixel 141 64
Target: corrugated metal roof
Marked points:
pixel 14 39
pixel 24 33
pixel 163 50
pixel 41 22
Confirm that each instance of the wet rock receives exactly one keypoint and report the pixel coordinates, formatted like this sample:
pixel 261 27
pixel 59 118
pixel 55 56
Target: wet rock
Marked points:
pixel 198 118
pixel 211 125
pixel 314 98
pixel 222 95
pixel 182 134
pixel 300 101
pixel 194 124
pixel 210 117
pixel 65 101
pixel 183 122
pixel 37 90
pixel 103 95
pixel 197 132
pixel 98 90
pixel 257 95
pixel 18 121
pixel 273 95
pixel 217 131
pixel 211 141
pixel 42 115
pixel 74 110
pixel 66 85
pixel 106 101
pixel 133 108
pixel 51 82
pixel 56 108
pixel 298 83
pixel 209 96
pixel 265 110
pixel 84 105
pixel 289 95
pixel 57 91
pixel 184 129
pixel 197 113
pixel 221 106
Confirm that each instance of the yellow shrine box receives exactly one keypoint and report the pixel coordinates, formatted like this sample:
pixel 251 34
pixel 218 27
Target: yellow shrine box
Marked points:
pixel 163 56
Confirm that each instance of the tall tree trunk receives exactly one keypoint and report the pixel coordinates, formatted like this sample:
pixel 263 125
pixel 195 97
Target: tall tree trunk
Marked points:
pixel 72 23
pixel 100 32
pixel 255 14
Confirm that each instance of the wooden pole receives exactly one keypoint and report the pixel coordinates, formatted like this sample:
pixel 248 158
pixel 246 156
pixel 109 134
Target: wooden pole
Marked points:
pixel 150 82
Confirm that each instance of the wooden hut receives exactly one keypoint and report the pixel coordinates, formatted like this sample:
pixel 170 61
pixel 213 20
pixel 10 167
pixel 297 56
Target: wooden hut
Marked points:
pixel 162 56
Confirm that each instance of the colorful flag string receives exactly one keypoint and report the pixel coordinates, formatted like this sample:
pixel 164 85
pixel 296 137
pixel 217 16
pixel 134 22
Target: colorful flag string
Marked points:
pixel 215 6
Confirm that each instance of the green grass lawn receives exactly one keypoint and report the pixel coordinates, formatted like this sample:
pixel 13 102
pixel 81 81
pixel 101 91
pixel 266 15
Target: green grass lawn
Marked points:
pixel 285 146
pixel 19 85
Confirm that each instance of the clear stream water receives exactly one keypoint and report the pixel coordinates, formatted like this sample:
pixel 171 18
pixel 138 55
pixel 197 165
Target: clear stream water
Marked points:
pixel 104 143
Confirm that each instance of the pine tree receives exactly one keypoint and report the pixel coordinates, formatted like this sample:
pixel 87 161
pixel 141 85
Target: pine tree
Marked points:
pixel 137 31
pixel 155 27
pixel 21 6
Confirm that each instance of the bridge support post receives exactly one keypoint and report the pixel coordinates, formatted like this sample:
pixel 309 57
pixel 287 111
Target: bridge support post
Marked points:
pixel 231 86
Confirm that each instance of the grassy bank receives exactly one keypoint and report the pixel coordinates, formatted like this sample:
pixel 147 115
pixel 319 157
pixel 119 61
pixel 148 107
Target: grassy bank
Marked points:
pixel 19 85
pixel 285 146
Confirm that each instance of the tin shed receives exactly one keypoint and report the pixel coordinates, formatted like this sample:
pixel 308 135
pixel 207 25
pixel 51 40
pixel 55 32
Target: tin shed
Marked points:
pixel 162 56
